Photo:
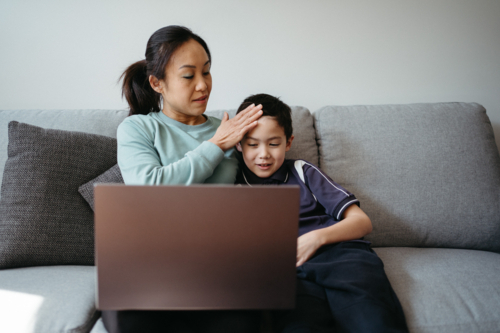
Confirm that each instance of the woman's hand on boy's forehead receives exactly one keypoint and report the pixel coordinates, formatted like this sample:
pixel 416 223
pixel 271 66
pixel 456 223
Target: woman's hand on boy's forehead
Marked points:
pixel 231 131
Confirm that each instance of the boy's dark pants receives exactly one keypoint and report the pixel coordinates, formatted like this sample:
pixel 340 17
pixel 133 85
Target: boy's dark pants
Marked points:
pixel 343 288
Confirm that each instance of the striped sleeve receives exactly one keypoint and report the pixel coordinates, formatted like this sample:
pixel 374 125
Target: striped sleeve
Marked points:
pixel 333 197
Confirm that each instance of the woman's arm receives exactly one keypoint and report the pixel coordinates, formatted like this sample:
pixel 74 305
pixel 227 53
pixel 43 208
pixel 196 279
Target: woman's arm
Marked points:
pixel 356 224
pixel 140 162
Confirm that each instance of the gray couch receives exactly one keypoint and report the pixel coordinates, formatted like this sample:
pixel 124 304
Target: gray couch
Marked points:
pixel 428 175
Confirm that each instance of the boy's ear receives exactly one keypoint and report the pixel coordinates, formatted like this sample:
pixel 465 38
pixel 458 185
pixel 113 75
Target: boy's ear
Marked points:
pixel 289 143
pixel 238 147
pixel 155 84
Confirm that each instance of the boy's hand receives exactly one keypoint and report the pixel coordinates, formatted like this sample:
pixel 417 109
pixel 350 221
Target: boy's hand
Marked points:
pixel 307 245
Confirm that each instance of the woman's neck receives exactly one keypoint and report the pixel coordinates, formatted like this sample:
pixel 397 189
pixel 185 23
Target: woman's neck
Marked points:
pixel 184 118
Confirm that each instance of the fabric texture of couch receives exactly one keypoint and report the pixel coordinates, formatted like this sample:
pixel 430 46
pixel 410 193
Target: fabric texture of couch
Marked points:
pixel 428 175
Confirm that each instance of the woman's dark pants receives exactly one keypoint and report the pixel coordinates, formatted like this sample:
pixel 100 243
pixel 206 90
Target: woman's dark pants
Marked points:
pixel 182 321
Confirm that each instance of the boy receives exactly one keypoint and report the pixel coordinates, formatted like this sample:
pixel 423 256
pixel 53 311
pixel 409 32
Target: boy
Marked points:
pixel 341 282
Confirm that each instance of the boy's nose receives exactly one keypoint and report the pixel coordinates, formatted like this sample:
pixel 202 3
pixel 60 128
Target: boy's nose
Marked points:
pixel 264 154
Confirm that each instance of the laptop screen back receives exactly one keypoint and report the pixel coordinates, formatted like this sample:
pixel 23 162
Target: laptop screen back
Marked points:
pixel 196 247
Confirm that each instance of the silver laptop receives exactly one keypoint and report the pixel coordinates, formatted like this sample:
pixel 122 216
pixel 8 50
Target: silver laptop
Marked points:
pixel 196 247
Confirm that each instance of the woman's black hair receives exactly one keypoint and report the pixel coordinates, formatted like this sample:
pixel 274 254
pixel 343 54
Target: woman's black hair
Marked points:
pixel 136 89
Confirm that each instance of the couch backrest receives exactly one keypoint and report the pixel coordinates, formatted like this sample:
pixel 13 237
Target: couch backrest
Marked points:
pixel 102 122
pixel 428 175
pixel 105 122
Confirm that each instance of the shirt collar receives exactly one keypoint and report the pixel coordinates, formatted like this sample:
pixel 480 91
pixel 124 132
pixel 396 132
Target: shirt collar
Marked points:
pixel 279 177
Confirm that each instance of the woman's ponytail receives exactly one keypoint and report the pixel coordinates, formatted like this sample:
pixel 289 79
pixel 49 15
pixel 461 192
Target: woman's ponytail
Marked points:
pixel 136 89
pixel 141 98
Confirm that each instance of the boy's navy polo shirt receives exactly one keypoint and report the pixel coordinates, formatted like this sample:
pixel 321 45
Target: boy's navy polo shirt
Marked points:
pixel 322 201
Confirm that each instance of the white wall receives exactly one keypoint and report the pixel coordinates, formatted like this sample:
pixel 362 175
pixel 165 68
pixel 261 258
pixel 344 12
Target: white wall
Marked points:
pixel 69 54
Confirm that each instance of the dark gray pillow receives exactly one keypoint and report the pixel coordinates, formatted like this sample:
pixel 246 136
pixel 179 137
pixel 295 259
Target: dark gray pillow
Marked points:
pixel 113 175
pixel 43 218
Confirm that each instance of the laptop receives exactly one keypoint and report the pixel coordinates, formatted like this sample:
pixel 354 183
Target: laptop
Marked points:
pixel 200 247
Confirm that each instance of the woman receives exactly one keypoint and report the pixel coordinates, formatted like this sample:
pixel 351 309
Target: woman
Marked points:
pixel 168 140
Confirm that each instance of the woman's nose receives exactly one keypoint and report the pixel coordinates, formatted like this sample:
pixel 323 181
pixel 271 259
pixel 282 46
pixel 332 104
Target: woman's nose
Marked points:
pixel 201 85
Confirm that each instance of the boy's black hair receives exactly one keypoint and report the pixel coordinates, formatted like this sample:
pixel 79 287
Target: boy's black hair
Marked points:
pixel 273 107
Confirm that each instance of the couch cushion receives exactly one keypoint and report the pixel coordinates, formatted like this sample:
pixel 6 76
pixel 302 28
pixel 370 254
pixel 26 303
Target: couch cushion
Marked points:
pixel 103 122
pixel 304 144
pixel 112 175
pixel 99 327
pixel 47 299
pixel 446 290
pixel 428 175
pixel 43 218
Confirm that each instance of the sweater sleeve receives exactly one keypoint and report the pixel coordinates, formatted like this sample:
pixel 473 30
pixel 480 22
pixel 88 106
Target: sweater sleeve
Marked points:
pixel 333 197
pixel 140 162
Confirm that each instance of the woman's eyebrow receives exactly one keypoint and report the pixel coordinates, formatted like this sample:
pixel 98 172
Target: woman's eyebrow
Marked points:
pixel 193 66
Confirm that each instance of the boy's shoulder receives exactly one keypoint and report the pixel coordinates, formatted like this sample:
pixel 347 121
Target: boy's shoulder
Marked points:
pixel 307 172
pixel 299 165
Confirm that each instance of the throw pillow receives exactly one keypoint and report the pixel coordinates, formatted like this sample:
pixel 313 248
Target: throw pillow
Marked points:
pixel 43 218
pixel 113 175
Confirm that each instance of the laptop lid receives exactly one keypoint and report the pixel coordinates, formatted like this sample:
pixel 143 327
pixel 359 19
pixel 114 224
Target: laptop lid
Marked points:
pixel 196 247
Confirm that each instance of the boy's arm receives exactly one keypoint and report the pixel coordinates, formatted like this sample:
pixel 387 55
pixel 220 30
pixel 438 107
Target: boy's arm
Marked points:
pixel 355 224
pixel 340 204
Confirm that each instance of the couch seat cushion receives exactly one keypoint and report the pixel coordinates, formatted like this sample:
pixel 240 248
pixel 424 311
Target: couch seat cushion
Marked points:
pixel 99 327
pixel 446 290
pixel 47 299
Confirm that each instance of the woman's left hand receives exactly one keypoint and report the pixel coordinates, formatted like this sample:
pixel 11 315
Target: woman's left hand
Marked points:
pixel 307 245
pixel 231 131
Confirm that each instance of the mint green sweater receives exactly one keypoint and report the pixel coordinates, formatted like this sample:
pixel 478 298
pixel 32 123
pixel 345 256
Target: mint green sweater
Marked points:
pixel 154 149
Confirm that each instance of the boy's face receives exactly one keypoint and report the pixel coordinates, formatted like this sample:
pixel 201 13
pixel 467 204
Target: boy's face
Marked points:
pixel 264 147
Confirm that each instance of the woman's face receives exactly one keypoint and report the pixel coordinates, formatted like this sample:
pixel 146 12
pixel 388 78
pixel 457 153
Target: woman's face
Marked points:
pixel 187 84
